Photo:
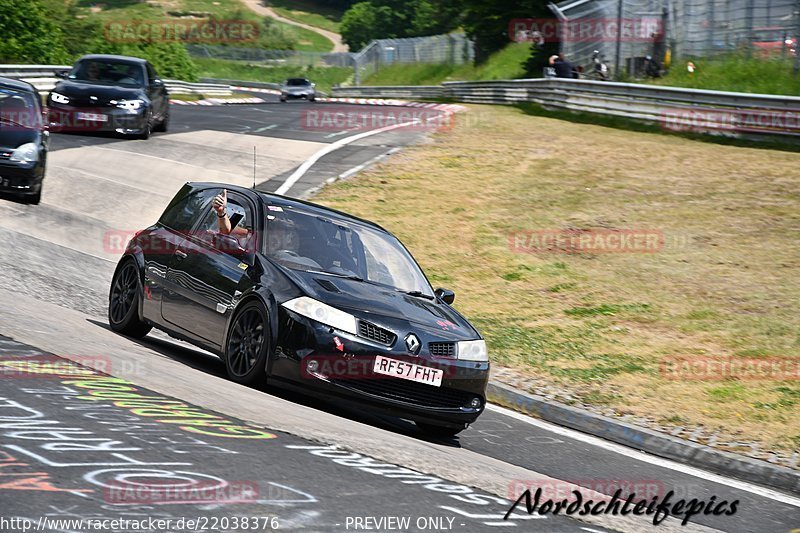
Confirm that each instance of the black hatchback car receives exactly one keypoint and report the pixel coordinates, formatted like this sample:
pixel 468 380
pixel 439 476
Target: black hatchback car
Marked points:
pixel 107 93
pixel 23 140
pixel 305 297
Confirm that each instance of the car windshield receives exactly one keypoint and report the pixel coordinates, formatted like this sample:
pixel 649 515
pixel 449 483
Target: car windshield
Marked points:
pixel 107 71
pixel 313 243
pixel 297 82
pixel 18 109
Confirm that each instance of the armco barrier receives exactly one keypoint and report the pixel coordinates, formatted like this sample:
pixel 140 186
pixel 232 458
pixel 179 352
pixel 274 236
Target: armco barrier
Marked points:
pixel 754 116
pixel 43 77
pixel 410 91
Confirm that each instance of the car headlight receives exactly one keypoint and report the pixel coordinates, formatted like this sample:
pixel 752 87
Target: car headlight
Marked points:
pixel 472 351
pixel 59 98
pixel 131 105
pixel 27 153
pixel 323 313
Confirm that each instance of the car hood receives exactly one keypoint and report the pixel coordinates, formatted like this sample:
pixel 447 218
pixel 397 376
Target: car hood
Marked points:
pixel 372 302
pixel 12 137
pixel 103 93
pixel 297 89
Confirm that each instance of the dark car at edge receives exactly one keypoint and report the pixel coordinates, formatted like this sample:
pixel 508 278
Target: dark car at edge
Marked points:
pixel 23 140
pixel 304 297
pixel 107 93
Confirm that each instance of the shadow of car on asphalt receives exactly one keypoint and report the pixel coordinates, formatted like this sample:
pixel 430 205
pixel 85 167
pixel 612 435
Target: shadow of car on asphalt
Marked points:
pixel 203 361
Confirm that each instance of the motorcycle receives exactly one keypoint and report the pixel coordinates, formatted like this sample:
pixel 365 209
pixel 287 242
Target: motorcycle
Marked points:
pixel 599 70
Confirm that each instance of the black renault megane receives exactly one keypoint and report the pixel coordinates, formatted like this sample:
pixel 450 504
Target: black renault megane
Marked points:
pixel 305 297
pixel 112 94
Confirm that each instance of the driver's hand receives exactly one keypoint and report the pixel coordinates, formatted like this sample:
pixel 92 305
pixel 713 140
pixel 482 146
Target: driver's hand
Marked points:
pixel 220 202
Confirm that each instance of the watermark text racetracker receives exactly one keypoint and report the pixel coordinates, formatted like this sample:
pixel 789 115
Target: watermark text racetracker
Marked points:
pixel 181 30
pixel 345 118
pixel 542 30
pixel 697 368
pixel 594 241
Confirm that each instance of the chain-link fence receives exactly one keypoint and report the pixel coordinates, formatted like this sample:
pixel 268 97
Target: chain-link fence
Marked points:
pixel 452 49
pixel 625 32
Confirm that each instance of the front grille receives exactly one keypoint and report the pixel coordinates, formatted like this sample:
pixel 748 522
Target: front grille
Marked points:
pixel 442 349
pixel 376 333
pixel 409 392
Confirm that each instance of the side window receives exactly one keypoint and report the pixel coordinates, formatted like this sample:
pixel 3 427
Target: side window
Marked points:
pixel 182 215
pixel 151 74
pixel 240 213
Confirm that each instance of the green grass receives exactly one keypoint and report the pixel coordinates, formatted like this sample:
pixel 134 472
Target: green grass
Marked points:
pixel 241 70
pixel 309 12
pixel 126 11
pixel 736 73
pixel 505 64
pixel 601 326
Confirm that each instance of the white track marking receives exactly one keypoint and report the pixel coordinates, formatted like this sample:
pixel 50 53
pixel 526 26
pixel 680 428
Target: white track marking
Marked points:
pixel 302 169
pixel 651 459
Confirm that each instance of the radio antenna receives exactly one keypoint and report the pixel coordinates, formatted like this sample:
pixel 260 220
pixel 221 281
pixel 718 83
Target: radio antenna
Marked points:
pixel 254 166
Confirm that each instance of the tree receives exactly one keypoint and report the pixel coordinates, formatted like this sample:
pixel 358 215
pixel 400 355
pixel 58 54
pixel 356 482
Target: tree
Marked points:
pixel 487 21
pixel 364 22
pixel 29 35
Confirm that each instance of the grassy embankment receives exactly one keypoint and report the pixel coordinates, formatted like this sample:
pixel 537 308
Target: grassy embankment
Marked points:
pixel 309 12
pixel 738 74
pixel 598 326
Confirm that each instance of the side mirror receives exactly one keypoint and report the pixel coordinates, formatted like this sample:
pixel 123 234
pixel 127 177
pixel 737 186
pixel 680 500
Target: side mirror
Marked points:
pixel 445 295
pixel 230 245
pixel 62 74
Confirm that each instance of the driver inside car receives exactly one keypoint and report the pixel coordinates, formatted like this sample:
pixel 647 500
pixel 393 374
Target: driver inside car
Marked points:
pixel 231 219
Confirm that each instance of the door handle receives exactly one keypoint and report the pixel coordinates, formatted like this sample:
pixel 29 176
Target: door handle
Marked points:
pixel 180 254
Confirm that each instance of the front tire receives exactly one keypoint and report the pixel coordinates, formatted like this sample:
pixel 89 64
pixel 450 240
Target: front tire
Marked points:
pixel 248 344
pixel 123 302
pixel 163 126
pixel 148 127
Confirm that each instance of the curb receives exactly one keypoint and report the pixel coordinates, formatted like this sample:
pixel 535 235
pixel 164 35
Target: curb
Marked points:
pixel 218 101
pixel 646 440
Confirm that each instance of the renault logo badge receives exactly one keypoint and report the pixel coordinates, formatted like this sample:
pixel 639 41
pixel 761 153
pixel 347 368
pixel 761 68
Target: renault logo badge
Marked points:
pixel 413 344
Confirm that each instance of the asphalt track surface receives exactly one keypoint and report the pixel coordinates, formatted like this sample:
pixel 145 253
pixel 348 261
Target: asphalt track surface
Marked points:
pixel 53 291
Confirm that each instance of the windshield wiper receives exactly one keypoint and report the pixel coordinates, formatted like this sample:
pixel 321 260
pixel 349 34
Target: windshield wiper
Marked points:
pixel 420 294
pixel 345 276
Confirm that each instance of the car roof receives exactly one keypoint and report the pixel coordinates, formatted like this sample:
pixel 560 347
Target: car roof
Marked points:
pixel 286 201
pixel 106 57
pixel 17 84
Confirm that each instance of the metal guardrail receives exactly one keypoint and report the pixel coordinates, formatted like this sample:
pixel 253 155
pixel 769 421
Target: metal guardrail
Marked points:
pixel 44 78
pixel 752 116
pixel 400 91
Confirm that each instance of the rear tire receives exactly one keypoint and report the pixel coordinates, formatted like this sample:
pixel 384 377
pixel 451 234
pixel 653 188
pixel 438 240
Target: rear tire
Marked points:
pixel 123 302
pixel 438 432
pixel 248 344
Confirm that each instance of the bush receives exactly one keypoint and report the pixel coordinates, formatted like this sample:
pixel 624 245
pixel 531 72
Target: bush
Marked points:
pixel 28 35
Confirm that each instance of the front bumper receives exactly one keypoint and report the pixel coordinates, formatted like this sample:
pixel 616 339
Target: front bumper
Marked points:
pixel 298 96
pixel 21 178
pixel 344 372
pixel 69 118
